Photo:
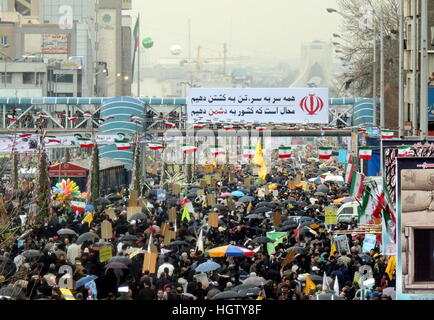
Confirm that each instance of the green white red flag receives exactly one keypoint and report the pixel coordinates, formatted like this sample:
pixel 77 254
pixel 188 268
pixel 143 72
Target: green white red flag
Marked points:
pixel 357 185
pixel 349 171
pixel 403 151
pixel 387 134
pixel 285 152
pixel 216 150
pixel 325 152
pixel 365 153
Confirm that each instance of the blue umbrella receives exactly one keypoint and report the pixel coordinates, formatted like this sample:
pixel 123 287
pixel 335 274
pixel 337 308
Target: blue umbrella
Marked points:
pixel 85 280
pixel 305 219
pixel 237 193
pixel 90 207
pixel 207 266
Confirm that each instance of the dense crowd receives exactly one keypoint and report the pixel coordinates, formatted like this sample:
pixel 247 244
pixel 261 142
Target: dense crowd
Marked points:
pixel 32 266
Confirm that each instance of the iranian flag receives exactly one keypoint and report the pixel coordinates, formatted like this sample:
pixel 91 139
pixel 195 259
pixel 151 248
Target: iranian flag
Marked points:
pixel 371 207
pixel 403 151
pixel 285 152
pixel 11 118
pixel 73 118
pixel 361 130
pixel 25 135
pixel 261 128
pixel 52 139
pixel 188 149
pixel 155 146
pixel 228 127
pixel 87 114
pixel 85 142
pixel 292 128
pixel 79 206
pixel 123 146
pixel 248 126
pixel 169 124
pixel 357 186
pixel 249 152
pixel 199 126
pixel 349 171
pixel 365 153
pixel 325 152
pixel 216 150
pixel 386 134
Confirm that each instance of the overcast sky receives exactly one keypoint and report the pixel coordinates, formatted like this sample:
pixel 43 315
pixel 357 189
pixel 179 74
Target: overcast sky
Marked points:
pixel 259 28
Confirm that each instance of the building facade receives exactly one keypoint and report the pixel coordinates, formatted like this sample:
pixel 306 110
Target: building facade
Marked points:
pixel 413 65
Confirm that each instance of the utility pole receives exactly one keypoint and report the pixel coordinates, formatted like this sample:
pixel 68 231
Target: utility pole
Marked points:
pixel 424 70
pixel 414 57
pixel 374 85
pixel 401 69
pixel 382 106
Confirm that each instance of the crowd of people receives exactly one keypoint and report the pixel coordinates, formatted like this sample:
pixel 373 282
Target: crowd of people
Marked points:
pixel 34 257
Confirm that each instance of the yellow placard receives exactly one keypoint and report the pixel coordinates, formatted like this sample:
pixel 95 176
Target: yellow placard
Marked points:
pixel 105 253
pixel 330 215
pixel 67 294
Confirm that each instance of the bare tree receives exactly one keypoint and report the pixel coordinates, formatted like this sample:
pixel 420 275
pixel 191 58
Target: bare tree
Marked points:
pixel 363 18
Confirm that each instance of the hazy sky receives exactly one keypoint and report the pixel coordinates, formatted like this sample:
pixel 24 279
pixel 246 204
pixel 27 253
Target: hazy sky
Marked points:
pixel 259 28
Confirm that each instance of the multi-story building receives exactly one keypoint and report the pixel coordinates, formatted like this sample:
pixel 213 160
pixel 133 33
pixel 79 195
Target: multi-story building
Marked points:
pixel 23 7
pixel 416 67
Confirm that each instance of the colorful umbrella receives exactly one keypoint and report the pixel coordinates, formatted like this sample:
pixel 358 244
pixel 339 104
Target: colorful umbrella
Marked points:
pixel 231 251
pixel 225 194
pixel 237 193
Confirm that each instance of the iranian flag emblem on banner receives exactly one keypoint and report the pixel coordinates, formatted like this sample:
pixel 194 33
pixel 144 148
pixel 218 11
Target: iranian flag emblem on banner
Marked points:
pixel 386 134
pixel 155 146
pixel 198 126
pixel 365 153
pixel 357 186
pixel 249 152
pixel 285 152
pixel 188 149
pixel 216 150
pixel 403 151
pixel 325 152
pixel 52 139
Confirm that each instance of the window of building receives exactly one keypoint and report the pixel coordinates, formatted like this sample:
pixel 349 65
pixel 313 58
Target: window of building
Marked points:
pixel 6 77
pixel 64 78
pixel 28 78
pixel 4 40
pixel 423 253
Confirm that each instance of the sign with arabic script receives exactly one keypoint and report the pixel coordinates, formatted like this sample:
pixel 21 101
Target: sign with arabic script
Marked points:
pixel 271 105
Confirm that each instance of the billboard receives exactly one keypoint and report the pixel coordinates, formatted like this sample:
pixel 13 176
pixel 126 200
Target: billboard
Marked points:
pixel 415 238
pixel 258 105
pixel 55 43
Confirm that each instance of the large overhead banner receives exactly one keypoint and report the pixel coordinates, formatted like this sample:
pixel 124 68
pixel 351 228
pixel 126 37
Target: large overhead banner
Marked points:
pixel 260 105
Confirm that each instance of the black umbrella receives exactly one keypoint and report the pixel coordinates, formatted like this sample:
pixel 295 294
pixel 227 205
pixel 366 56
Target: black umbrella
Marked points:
pixel 114 197
pixel 66 231
pixel 129 237
pixel 87 237
pixel 266 204
pixel 263 240
pixel 138 216
pixel 116 265
pixel 262 210
pixel 219 207
pixel 102 201
pixel 178 243
pixel 243 287
pixel 322 188
pixel 286 228
pixel 12 291
pixel 227 295
pixel 251 292
pixel 121 259
pixel 32 253
pixel 194 190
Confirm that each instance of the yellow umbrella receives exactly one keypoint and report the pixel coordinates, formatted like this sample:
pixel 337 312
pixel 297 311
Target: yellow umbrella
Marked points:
pixel 338 201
